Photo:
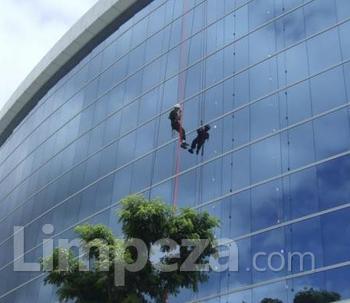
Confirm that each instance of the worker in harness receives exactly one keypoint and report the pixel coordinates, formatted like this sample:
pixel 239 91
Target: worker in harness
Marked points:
pixel 202 136
pixel 175 117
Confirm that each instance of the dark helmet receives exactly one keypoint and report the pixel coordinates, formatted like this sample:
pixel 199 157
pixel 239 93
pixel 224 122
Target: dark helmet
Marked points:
pixel 207 127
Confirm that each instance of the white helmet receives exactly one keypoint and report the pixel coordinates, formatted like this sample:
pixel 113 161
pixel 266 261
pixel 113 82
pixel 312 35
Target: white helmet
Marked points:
pixel 177 105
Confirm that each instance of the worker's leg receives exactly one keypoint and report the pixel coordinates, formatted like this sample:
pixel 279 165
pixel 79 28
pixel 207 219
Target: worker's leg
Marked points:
pixel 183 134
pixel 193 145
pixel 177 126
pixel 199 147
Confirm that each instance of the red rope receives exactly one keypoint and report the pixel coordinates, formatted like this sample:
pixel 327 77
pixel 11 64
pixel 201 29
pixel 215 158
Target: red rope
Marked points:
pixel 181 93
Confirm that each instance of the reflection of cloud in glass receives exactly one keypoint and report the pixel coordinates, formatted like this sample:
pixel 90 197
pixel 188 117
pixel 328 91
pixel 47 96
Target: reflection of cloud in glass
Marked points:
pixel 334 182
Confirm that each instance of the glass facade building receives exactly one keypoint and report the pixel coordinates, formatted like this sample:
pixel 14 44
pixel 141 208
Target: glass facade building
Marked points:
pixel 271 77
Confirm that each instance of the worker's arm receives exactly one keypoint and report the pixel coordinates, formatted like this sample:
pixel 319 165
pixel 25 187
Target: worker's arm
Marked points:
pixel 173 115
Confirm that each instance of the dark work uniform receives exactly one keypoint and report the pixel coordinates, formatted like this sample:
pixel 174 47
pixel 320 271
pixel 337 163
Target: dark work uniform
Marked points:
pixel 175 118
pixel 202 136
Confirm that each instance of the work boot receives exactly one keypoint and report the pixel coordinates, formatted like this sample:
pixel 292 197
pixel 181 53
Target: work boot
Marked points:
pixel 190 151
pixel 184 145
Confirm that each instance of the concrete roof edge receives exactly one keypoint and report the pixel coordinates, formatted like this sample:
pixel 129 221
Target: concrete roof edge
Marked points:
pixel 104 11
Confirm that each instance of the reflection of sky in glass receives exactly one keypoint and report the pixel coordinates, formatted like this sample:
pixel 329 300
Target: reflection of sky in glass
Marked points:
pixel 266 89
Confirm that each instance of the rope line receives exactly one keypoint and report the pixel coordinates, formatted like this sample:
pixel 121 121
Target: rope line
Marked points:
pixel 181 97
pixel 184 50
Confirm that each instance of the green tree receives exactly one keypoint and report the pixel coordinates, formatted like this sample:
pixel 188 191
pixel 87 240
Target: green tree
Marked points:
pixel 142 219
pixel 269 300
pixel 316 296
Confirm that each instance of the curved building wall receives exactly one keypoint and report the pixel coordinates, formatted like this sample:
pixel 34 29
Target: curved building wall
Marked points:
pixel 272 78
